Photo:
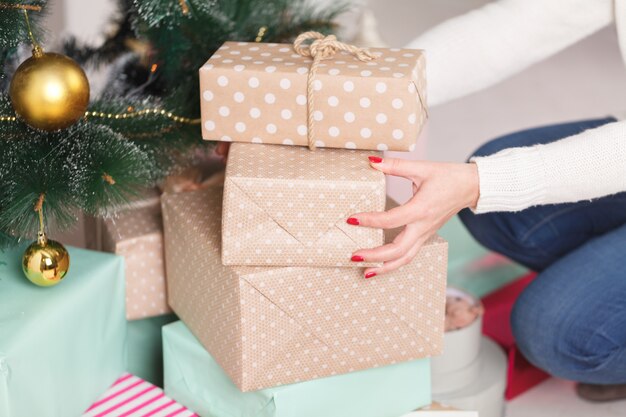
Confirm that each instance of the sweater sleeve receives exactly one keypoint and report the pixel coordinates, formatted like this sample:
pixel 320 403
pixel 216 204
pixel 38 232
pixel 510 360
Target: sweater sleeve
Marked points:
pixel 585 166
pixel 473 51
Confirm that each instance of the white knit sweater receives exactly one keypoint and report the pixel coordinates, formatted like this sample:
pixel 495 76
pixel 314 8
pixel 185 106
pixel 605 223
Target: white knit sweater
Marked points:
pixel 478 49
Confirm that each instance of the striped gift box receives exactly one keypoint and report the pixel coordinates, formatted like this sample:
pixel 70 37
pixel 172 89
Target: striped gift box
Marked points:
pixel 131 396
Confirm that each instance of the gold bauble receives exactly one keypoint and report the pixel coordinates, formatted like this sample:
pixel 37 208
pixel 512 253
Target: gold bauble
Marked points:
pixel 45 262
pixel 49 91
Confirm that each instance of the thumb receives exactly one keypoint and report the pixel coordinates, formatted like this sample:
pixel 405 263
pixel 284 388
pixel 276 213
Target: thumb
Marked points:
pixel 395 167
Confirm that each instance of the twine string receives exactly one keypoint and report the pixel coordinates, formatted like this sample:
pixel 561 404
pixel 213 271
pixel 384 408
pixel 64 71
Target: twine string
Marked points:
pixel 322 47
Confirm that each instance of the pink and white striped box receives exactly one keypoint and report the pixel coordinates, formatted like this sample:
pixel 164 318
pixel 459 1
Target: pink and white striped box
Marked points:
pixel 131 396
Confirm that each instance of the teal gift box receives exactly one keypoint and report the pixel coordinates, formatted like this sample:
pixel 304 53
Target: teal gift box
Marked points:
pixel 194 379
pixel 61 347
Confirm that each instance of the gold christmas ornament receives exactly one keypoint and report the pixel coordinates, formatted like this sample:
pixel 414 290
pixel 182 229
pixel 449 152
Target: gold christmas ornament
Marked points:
pixel 49 91
pixel 45 262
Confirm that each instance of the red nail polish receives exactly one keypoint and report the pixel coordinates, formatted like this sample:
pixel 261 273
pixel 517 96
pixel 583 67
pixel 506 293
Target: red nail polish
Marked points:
pixel 357 258
pixel 370 274
pixel 353 221
pixel 375 159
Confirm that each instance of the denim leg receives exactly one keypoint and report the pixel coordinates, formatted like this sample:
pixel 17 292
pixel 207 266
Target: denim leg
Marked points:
pixel 571 320
pixel 538 236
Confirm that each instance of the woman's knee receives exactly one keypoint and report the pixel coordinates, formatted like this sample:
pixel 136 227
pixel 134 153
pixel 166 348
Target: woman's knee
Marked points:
pixel 558 341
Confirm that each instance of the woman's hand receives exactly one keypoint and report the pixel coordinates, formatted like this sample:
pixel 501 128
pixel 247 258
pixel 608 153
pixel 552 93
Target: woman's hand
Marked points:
pixel 440 191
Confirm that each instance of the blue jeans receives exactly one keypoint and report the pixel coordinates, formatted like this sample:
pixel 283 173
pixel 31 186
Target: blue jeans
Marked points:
pixel 571 320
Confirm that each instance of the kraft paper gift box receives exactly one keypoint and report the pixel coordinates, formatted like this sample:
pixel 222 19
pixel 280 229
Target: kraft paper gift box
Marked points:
pixel 521 375
pixel 136 233
pixel 62 346
pixel 257 92
pixel 131 396
pixel 441 410
pixel 194 378
pixel 288 206
pixel 270 326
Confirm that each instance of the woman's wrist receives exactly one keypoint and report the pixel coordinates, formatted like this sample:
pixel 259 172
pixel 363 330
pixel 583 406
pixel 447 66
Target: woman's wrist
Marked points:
pixel 472 185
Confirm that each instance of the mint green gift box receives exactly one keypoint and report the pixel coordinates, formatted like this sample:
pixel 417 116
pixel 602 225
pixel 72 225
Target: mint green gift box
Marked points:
pixel 194 379
pixel 61 347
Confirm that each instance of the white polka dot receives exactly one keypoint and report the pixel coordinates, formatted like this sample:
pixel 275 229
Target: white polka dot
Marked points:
pixel 228 61
pixel 398 75
pixel 239 68
pixel 333 71
pixel 318 115
pixel 246 58
pixel 235 52
pixel 317 85
pixel 253 82
pixel 412 147
pixel 302 130
pixel 408 55
pixel 397 134
pixel 287 142
pixel 366 133
pixel 302 70
pixel 277 59
pixel 257 140
pixel 411 88
pixel 390 59
pixel 348 86
pixel 397 103
pixel 350 145
pixel 365 102
pixel 366 73
pixel 412 118
pixel 271 128
pixel 301 99
pixel 349 117
pixel 285 83
pixel 222 81
pixel 381 118
pixel 381 87
pixel 207 95
pixel 240 127
pixel 209 125
pixel 239 97
pixel 319 144
pixel 255 113
pixel 270 98
pixel 285 114
pixel 333 131
pixel 284 49
pixel 253 48
pixel 270 68
pixel 224 111
pixel 208 66
pixel 226 139
pixel 382 147
pixel 333 101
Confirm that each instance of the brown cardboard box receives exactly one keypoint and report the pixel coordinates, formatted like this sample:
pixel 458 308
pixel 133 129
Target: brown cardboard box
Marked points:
pixel 273 326
pixel 257 92
pixel 288 206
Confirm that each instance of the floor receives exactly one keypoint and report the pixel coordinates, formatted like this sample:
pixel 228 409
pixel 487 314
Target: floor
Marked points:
pixel 587 80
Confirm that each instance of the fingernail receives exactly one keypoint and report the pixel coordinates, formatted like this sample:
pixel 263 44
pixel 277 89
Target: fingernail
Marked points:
pixel 375 159
pixel 357 258
pixel 353 221
pixel 370 275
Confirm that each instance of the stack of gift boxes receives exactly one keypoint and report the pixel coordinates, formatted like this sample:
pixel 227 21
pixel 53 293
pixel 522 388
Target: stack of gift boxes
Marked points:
pixel 275 317
pixel 276 320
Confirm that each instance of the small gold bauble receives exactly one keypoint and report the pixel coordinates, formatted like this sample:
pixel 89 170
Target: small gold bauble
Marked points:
pixel 45 262
pixel 49 91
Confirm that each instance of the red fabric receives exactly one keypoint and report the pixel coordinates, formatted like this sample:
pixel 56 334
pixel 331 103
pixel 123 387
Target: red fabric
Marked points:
pixel 522 375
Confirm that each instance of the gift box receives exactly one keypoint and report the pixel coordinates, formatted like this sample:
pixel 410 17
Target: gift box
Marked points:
pixel 145 348
pixel 521 375
pixel 194 378
pixel 288 206
pixel 257 92
pixel 132 396
pixel 273 326
pixel 62 346
pixel 441 410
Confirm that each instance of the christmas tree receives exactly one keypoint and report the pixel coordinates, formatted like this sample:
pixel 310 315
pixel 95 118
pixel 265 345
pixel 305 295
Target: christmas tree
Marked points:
pixel 145 125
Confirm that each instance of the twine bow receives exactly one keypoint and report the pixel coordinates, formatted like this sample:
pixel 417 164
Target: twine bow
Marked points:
pixel 322 47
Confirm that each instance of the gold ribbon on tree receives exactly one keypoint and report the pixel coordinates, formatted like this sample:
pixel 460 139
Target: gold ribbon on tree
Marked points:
pixel 322 47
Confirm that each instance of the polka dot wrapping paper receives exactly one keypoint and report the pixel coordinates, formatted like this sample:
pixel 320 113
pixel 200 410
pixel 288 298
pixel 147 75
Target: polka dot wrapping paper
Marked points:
pixel 257 92
pixel 270 326
pixel 136 234
pixel 287 206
